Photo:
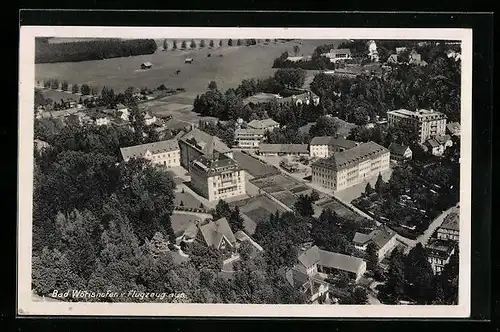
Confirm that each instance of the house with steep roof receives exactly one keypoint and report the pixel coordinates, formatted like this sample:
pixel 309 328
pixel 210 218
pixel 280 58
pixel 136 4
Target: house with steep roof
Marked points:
pixel 197 143
pixel 149 119
pixel 164 153
pixel 416 59
pixel 393 58
pixel 438 144
pixel 384 238
pixel 350 167
pixel 146 65
pixel 216 234
pixel 450 228
pixel 400 152
pixel 325 146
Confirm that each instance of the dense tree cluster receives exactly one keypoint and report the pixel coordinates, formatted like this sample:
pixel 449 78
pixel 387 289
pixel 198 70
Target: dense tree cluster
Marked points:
pixel 47 52
pixel 410 278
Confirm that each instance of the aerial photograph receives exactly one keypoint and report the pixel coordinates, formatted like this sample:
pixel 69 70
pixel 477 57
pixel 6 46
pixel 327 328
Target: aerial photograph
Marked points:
pixel 246 171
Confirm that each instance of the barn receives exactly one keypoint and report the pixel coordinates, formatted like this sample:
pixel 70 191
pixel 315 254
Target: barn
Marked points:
pixel 188 60
pixel 146 65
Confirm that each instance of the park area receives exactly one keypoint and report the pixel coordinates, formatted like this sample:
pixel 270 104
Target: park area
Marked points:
pixel 226 65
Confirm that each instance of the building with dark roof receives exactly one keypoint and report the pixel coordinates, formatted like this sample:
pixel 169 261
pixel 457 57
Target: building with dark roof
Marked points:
pixel 453 128
pixel 350 167
pixel 164 153
pixel 216 234
pixel 146 65
pixel 384 238
pixel 439 253
pixel 325 146
pixel 197 143
pixel 283 150
pixel 450 228
pixel 400 152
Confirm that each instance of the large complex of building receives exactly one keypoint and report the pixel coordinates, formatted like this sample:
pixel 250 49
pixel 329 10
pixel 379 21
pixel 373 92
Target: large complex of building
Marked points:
pixel 197 143
pixel 350 167
pixel 216 176
pixel 428 123
pixel 164 153
pixel 249 138
pixel 325 146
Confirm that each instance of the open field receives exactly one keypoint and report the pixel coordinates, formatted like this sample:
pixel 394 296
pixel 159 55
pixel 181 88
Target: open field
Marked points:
pixel 187 200
pixel 340 209
pixel 253 166
pixel 236 64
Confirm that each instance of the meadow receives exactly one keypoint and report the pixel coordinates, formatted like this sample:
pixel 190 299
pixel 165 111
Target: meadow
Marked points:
pixel 227 66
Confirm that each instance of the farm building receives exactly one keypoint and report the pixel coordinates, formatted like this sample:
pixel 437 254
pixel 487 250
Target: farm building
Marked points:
pixel 146 65
pixel 188 60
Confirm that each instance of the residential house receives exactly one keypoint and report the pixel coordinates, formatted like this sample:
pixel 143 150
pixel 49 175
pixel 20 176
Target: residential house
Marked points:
pixel 393 58
pixel 283 150
pixel 427 123
pixel 400 152
pixel 384 238
pixel 146 65
pixel 295 58
pixel 149 119
pixel 188 60
pixel 249 138
pixel 265 124
pixel 416 59
pixel 450 228
pixel 101 119
pixel 454 55
pixel 122 112
pixel 197 143
pixel 315 288
pixel 217 176
pixel 325 146
pixel 437 145
pixel 41 145
pixel 453 128
pixel 216 234
pixel 322 263
pixel 340 54
pixel 372 51
pixel 164 153
pixel 350 167
pixel 439 253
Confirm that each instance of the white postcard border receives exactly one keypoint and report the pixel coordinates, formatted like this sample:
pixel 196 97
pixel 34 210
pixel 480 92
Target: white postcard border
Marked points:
pixel 27 307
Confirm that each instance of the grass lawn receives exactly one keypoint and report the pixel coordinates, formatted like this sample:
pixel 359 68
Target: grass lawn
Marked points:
pixel 236 64
pixel 187 199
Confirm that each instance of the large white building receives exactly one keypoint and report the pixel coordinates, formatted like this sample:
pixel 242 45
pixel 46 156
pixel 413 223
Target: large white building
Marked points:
pixel 325 146
pixel 350 167
pixel 249 138
pixel 428 123
pixel 197 143
pixel 216 176
pixel 164 153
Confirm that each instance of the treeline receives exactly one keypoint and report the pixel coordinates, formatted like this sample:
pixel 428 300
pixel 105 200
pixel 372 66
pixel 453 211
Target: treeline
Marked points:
pixel 91 50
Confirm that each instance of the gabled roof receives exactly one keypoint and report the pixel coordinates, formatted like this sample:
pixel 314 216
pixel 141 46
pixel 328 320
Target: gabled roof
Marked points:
pixel 147 64
pixel 346 158
pixel 204 142
pixel 330 140
pixel 340 51
pixel 314 255
pixel 453 127
pixel 249 131
pixel 262 124
pixel 442 139
pixel 379 236
pixel 398 149
pixel 214 231
pixel 433 143
pixel 451 222
pixel 216 164
pixel 156 147
pixel 393 58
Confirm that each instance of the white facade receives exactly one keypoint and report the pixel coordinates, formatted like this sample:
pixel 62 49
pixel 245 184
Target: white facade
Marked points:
pixel 104 121
pixel 168 159
pixel 220 186
pixel 428 123
pixel 249 138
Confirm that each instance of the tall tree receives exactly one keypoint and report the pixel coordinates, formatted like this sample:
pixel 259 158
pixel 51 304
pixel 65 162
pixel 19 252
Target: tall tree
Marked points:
pixel 193 44
pixel 380 184
pixel 222 210
pixel 212 85
pixel 238 42
pixel 419 275
pixel 303 206
pixel 236 220
pixel 183 45
pixel 394 288
pixel 220 43
pixel 75 88
pixel 230 42
pixel 165 44
pixel 85 90
pixel 368 189
pixel 202 43
pixel 324 126
pixel 211 43
pixel 174 46
pixel 372 256
pixel 290 77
